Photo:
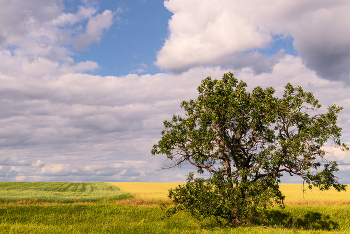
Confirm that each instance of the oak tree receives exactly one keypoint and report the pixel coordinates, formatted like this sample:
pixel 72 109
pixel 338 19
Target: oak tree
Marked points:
pixel 247 142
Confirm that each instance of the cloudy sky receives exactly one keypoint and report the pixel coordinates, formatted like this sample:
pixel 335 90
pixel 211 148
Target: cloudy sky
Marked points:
pixel 85 85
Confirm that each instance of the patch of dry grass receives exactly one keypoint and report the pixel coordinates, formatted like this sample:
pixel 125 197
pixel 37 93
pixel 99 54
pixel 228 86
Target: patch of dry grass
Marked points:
pixel 158 192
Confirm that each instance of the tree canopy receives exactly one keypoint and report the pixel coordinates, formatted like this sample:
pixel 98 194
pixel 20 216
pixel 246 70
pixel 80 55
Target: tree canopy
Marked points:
pixel 246 141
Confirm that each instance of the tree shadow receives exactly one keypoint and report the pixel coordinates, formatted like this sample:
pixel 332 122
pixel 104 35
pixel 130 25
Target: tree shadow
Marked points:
pixel 309 221
pixel 302 220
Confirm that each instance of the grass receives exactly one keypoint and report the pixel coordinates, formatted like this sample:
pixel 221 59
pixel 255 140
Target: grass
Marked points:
pixel 318 212
pixel 109 218
pixel 60 192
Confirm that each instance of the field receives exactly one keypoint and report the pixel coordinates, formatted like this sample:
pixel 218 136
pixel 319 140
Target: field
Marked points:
pixel 59 192
pixel 317 212
pixel 294 194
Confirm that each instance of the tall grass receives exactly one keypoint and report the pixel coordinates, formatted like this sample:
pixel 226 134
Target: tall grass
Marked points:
pixel 59 192
pixel 109 218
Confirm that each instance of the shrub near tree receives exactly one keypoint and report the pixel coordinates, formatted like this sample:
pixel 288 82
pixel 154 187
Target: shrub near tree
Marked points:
pixel 246 141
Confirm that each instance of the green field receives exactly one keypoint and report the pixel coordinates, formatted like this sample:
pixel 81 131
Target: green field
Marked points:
pixel 59 192
pixel 143 214
pixel 109 218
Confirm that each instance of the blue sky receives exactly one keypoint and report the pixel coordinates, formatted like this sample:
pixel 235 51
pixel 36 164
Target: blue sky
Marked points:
pixel 130 41
pixel 86 85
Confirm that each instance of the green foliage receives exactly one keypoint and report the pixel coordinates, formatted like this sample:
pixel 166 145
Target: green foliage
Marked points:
pixel 213 197
pixel 246 141
pixel 59 192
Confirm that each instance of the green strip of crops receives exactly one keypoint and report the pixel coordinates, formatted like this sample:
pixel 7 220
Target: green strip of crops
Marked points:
pixel 59 192
pixel 109 218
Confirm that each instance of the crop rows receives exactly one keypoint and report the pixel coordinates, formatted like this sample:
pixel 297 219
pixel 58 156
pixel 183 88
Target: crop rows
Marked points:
pixel 59 192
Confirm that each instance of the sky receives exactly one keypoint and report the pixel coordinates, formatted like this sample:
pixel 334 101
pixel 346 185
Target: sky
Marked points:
pixel 86 85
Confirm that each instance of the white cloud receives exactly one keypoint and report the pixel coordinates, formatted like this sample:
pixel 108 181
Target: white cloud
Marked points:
pixel 21 178
pixel 39 163
pixel 336 154
pixel 56 169
pixel 23 18
pixel 69 18
pixel 93 128
pixel 212 33
pixel 94 29
pixel 10 161
pixel 181 178
pixel 206 33
pixel 344 167
pixel 90 128
pixel 26 29
pixel 130 164
pixel 35 36
pixel 14 170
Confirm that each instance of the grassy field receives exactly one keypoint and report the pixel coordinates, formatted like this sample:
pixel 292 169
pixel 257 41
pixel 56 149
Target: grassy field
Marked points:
pixel 59 192
pixel 109 218
pixel 320 212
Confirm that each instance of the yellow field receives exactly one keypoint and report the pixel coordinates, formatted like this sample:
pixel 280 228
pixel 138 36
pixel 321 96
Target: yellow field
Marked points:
pixel 294 196
pixel 144 190
pixel 293 193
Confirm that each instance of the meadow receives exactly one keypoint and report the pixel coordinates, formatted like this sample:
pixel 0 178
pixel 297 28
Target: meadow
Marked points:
pixel 138 210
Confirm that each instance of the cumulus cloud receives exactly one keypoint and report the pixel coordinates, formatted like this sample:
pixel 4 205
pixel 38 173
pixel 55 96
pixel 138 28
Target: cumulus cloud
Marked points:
pixel 36 34
pixel 25 18
pixel 69 18
pixel 56 169
pixel 93 128
pixel 9 161
pixel 208 33
pixel 94 29
pixel 255 61
pixel 39 163
pixel 26 30
pixel 182 178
